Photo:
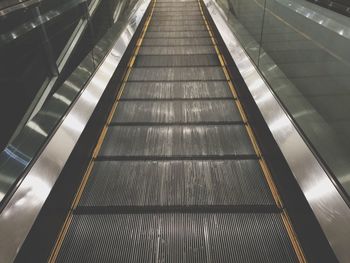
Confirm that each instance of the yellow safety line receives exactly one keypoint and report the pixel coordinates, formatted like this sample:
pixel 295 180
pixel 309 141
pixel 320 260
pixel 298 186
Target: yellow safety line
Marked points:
pixel 87 174
pixel 266 171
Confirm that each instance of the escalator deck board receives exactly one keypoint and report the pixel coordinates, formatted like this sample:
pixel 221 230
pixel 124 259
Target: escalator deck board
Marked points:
pixel 176 141
pixel 176 183
pixel 177 238
pixel 198 111
pixel 176 90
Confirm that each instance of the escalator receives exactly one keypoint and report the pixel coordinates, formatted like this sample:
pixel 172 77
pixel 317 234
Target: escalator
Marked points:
pixel 177 174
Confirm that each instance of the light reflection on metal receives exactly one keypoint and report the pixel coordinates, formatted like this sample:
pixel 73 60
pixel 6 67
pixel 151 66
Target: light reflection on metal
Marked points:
pixel 37 21
pixel 330 209
pixel 20 212
pixel 317 17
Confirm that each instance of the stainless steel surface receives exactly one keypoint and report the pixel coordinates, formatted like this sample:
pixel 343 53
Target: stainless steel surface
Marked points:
pixel 177 183
pixel 198 111
pixel 176 141
pixel 326 202
pixel 21 211
pixel 9 6
pixel 176 145
pixel 313 13
pixel 176 90
pixel 175 237
pixel 38 21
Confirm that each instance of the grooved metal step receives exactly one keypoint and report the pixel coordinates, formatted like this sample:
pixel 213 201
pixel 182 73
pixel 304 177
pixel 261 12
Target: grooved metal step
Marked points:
pixel 176 90
pixel 176 111
pixel 177 238
pixel 176 23
pixel 177 74
pixel 171 28
pixel 177 42
pixel 177 34
pixel 177 60
pixel 176 183
pixel 182 140
pixel 177 178
pixel 177 50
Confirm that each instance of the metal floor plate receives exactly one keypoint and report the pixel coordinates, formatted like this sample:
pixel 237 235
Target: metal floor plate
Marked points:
pixel 176 111
pixel 176 141
pixel 176 183
pixel 177 238
pixel 176 90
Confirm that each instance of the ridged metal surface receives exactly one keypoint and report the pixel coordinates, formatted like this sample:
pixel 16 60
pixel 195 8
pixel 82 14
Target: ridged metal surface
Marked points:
pixel 176 34
pixel 176 111
pixel 168 183
pixel 177 74
pixel 177 143
pixel 187 14
pixel 177 238
pixel 177 61
pixel 176 42
pixel 176 90
pixel 177 50
pixel 176 23
pixel 123 141
pixel 171 28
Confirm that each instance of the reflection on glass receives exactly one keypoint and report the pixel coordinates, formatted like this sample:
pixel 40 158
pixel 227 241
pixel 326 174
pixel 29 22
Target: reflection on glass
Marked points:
pixel 302 50
pixel 48 52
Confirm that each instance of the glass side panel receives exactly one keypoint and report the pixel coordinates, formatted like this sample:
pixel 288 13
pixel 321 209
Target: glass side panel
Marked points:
pixel 304 55
pixel 46 58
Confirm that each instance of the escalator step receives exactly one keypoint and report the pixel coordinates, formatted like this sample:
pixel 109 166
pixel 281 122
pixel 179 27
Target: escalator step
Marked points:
pixel 176 23
pixel 178 50
pixel 176 34
pixel 177 111
pixel 195 18
pixel 176 90
pixel 177 42
pixel 160 28
pixel 176 61
pixel 177 74
pixel 179 14
pixel 174 141
pixel 176 183
pixel 177 238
